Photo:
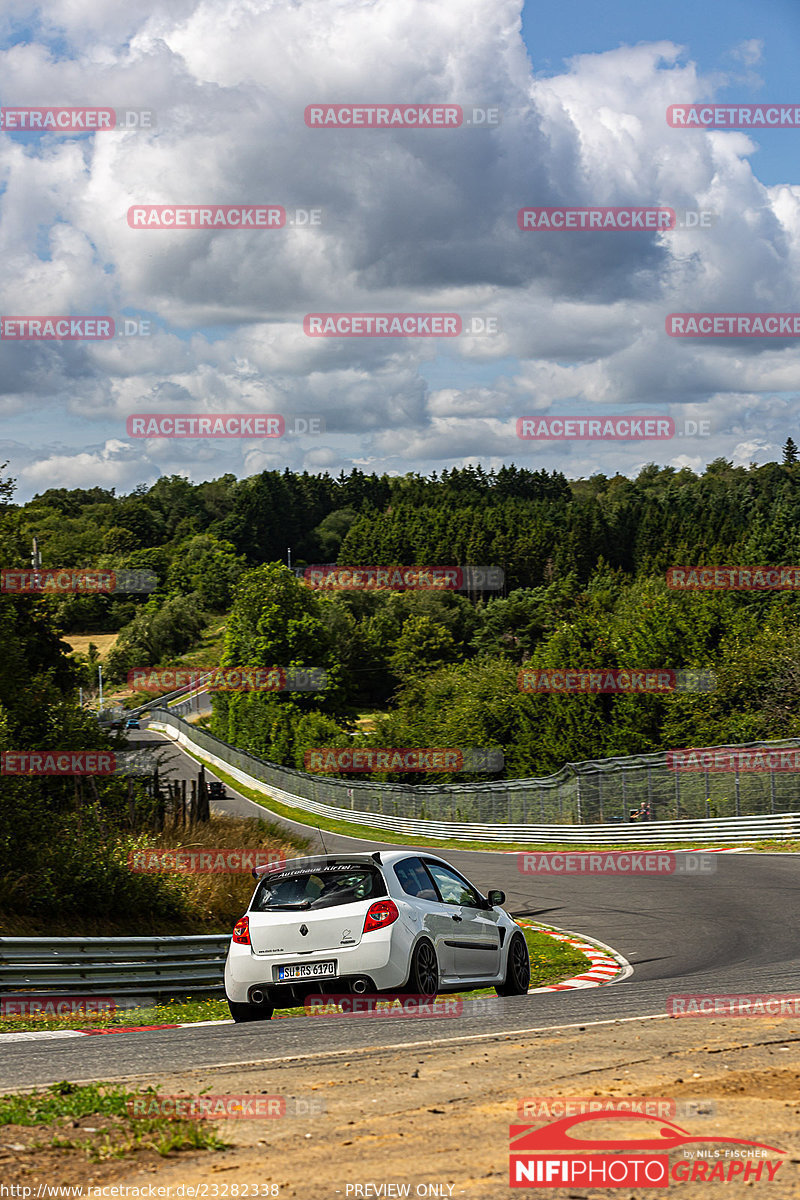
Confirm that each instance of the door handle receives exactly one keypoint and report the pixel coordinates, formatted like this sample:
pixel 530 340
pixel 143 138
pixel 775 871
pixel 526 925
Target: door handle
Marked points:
pixel 457 917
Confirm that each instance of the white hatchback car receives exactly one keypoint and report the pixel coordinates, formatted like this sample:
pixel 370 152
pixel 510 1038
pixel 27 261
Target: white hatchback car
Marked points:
pixel 386 921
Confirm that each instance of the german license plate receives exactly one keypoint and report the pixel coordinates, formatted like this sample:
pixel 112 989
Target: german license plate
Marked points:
pixel 306 970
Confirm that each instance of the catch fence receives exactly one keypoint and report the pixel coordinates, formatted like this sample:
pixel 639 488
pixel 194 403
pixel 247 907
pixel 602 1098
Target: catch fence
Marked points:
pixel 595 792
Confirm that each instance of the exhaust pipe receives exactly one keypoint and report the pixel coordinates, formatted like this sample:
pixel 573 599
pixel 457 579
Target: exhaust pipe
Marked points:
pixel 360 986
pixel 257 996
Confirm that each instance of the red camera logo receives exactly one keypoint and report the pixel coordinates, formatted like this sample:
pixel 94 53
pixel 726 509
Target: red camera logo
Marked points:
pixel 555 1155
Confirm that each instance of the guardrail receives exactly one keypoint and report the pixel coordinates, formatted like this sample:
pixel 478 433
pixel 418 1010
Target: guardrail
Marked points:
pixel 187 692
pixel 261 776
pixel 151 967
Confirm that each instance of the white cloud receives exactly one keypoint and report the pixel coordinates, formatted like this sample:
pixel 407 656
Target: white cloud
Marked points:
pixel 413 221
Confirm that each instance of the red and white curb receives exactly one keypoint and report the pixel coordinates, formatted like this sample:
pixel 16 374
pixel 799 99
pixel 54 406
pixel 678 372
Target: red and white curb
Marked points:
pixel 718 850
pixel 48 1034
pixel 607 965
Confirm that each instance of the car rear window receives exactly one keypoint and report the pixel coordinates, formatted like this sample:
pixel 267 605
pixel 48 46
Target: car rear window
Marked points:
pixel 318 887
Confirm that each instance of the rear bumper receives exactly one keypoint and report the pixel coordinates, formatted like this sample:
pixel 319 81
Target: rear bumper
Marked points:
pixel 371 958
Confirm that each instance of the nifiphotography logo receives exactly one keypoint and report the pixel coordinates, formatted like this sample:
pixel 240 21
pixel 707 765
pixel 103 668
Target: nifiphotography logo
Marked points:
pixel 555 1156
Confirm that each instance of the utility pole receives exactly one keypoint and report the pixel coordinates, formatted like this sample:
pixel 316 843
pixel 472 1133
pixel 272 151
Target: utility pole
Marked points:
pixel 36 558
pixel 289 557
pixel 100 679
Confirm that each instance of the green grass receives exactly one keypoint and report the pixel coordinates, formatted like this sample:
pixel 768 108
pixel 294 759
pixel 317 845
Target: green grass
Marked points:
pixel 204 656
pixel 65 1104
pixel 173 1012
pixel 551 961
pixel 773 845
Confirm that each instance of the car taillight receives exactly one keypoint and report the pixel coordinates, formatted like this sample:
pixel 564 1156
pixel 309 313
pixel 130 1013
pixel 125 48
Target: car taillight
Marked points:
pixel 241 931
pixel 380 914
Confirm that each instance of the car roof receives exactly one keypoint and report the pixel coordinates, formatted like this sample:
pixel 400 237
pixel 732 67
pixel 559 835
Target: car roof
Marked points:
pixel 386 858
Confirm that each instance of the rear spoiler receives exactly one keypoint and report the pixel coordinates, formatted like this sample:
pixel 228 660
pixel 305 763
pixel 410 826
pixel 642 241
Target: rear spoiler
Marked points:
pixel 316 860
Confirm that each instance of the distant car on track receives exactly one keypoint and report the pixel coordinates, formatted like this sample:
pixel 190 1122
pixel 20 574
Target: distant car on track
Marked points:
pixel 132 723
pixel 386 921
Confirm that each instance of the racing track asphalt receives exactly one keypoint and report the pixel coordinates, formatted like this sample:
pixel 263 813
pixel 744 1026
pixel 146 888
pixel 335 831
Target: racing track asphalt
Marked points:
pixel 735 930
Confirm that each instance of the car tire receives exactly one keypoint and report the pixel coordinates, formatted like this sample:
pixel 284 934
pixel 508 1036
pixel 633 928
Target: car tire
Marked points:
pixel 423 975
pixel 250 1012
pixel 518 969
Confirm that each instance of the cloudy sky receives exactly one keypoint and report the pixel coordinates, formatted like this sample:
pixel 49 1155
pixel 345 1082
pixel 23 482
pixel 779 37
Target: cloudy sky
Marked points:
pixel 410 221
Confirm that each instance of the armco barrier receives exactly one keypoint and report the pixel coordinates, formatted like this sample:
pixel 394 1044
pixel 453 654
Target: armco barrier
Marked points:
pixel 437 811
pixel 157 967
pixel 188 692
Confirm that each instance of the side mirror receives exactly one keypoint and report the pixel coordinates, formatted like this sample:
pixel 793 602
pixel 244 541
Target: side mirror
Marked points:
pixel 495 899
